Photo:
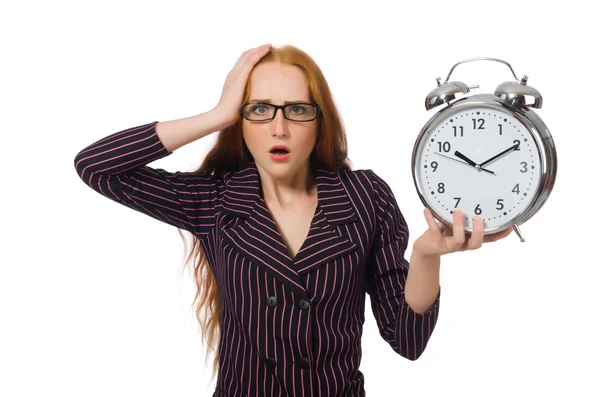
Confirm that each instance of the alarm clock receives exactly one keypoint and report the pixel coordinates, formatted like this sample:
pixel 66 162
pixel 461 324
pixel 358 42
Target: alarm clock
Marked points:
pixel 488 154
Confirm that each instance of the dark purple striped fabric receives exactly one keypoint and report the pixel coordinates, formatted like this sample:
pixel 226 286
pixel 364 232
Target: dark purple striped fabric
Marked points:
pixel 289 327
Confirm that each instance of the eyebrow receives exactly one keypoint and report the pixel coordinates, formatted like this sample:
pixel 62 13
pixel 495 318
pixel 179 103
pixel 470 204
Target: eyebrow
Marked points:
pixel 268 100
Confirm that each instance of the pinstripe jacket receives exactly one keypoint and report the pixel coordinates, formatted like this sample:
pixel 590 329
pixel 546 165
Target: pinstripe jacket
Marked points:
pixel 289 327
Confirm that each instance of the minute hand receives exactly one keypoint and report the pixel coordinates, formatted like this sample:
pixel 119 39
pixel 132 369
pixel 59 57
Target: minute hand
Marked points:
pixel 513 147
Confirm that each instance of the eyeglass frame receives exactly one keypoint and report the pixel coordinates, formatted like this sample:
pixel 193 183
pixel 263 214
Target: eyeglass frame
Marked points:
pixel 282 107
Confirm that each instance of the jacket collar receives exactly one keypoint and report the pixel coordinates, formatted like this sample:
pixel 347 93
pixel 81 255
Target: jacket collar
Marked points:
pixel 256 236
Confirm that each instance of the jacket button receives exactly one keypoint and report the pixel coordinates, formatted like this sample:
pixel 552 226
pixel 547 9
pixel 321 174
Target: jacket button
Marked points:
pixel 303 363
pixel 270 363
pixel 272 301
pixel 303 304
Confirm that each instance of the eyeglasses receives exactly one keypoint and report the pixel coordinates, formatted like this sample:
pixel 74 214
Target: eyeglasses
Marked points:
pixel 260 111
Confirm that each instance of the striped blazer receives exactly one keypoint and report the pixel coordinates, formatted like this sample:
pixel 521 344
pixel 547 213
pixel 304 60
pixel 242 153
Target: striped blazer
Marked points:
pixel 289 327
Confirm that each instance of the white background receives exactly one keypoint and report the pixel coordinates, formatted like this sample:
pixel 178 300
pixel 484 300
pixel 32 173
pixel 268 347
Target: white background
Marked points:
pixel 93 300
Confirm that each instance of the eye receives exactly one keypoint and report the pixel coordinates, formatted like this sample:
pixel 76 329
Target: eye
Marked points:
pixel 255 107
pixel 298 109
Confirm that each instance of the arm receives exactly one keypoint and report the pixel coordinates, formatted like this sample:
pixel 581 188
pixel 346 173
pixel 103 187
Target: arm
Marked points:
pixel 406 330
pixel 423 282
pixel 115 167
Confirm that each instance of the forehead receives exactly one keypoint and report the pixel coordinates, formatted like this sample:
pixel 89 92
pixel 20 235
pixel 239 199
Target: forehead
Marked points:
pixel 278 83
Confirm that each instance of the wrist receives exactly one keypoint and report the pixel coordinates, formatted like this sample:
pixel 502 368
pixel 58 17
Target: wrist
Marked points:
pixel 420 257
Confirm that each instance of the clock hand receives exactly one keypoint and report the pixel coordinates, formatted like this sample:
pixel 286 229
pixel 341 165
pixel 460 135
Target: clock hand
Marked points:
pixel 462 156
pixel 510 149
pixel 458 161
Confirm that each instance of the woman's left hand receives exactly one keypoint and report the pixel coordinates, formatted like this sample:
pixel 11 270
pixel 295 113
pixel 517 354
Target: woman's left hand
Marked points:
pixel 435 242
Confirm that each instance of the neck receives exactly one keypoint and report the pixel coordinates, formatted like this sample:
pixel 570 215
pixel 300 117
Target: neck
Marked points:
pixel 286 189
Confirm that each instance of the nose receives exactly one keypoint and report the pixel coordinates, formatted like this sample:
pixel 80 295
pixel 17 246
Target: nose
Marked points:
pixel 279 122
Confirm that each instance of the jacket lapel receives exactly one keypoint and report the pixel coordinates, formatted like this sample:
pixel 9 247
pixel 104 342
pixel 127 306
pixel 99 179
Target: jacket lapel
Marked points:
pixel 255 235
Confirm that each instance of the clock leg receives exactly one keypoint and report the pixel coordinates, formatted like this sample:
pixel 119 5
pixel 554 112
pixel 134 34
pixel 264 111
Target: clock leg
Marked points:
pixel 518 231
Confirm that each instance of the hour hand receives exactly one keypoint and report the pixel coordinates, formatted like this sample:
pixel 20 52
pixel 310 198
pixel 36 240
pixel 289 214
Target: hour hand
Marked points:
pixel 471 162
pixel 465 158
pixel 462 162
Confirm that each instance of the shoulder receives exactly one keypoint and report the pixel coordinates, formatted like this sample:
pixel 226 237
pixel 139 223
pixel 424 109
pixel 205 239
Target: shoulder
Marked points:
pixel 356 182
pixel 381 195
pixel 372 183
pixel 368 190
pixel 377 198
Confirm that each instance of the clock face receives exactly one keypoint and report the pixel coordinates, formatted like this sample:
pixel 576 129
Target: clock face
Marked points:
pixel 459 164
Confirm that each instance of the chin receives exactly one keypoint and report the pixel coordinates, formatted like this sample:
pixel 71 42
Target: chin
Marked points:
pixel 276 167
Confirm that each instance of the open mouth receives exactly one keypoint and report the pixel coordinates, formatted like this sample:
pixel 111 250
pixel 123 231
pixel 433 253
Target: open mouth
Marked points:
pixel 279 152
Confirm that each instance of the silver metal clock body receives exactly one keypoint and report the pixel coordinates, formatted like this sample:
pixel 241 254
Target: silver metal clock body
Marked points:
pixel 506 190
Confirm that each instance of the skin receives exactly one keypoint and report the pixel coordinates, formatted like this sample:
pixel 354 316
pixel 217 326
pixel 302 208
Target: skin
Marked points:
pixel 284 183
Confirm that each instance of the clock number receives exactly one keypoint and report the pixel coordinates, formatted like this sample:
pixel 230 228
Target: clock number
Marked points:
pixel 445 146
pixel 461 130
pixel 457 201
pixel 434 165
pixel 475 121
pixel 499 202
pixel 519 143
pixel 516 189
pixel 477 210
pixel 441 188
pixel 524 164
pixel 500 125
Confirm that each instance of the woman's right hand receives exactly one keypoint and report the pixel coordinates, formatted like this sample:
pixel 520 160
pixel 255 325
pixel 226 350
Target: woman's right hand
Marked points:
pixel 228 107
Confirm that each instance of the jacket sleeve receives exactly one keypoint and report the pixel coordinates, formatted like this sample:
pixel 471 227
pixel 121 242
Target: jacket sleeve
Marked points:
pixel 115 167
pixel 405 330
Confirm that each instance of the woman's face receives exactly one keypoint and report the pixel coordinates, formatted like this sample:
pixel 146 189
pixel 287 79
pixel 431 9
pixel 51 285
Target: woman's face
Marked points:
pixel 276 83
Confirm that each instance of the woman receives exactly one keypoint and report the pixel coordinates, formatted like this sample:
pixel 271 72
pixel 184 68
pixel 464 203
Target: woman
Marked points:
pixel 288 237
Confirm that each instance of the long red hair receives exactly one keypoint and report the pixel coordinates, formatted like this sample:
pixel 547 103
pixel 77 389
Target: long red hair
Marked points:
pixel 230 153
